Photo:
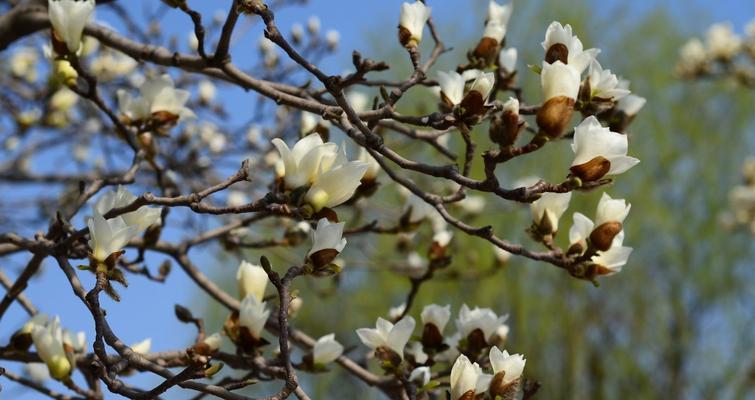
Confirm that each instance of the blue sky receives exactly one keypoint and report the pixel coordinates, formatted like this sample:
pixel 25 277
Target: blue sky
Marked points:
pixel 150 304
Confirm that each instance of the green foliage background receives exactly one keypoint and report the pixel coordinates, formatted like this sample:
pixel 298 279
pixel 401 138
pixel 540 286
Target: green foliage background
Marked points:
pixel 676 323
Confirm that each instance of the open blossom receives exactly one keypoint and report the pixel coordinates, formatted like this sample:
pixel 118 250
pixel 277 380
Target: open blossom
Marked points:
pixel 609 220
pixel 141 218
pixel 722 41
pixel 507 369
pixel 561 44
pixel 548 209
pixel 388 335
pixel 326 349
pixel 412 23
pixel 603 84
pixel 252 280
pixel 416 352
pixel 483 319
pixel 48 340
pixel 68 19
pixel 301 163
pixel 253 315
pixel 335 183
pixel 310 122
pixel 108 236
pixel 160 97
pixel 464 377
pixel 327 242
pixel 483 85
pixel 599 152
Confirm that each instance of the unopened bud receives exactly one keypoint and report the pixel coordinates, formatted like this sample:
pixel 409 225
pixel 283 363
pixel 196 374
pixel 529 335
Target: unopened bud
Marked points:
pixel 65 73
pixel 554 115
pixel 601 237
pixel 592 170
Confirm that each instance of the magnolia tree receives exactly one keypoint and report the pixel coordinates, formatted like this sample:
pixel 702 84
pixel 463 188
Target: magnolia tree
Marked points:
pixel 726 55
pixel 142 159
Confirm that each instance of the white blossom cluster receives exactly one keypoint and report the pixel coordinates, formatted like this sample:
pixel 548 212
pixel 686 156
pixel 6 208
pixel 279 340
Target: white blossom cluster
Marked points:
pixel 479 332
pixel 718 51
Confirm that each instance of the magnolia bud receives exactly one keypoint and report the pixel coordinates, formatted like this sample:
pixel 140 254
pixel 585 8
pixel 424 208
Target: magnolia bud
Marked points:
pixel 592 170
pixel 554 115
pixel 602 237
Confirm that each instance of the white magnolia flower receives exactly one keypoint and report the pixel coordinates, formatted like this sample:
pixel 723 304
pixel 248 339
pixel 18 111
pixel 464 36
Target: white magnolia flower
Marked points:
pixel 108 236
pixel 252 280
pixel 692 54
pixel 301 164
pixel 511 366
pixel 37 372
pixel 213 342
pixel 558 79
pixel 612 260
pixel 500 335
pixel 436 315
pixel 142 347
pixel 373 167
pixel 327 235
pixel 110 64
pixel 603 84
pixel 326 349
pixel 722 41
pixel 412 23
pixel 68 19
pixel 464 376
pixel 77 342
pixel 236 198
pixel 48 340
pixel 297 32
pixel 498 13
pixel 483 319
pixel 507 59
pixel 483 84
pixel 548 209
pixel 388 335
pixel 141 219
pixel 562 37
pixel 611 210
pixel 253 315
pixel 335 183
pixel 630 104
pixel 451 87
pixel 420 376
pixel 40 319
pixel 157 95
pixel 415 350
pixel 207 91
pixel 593 144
